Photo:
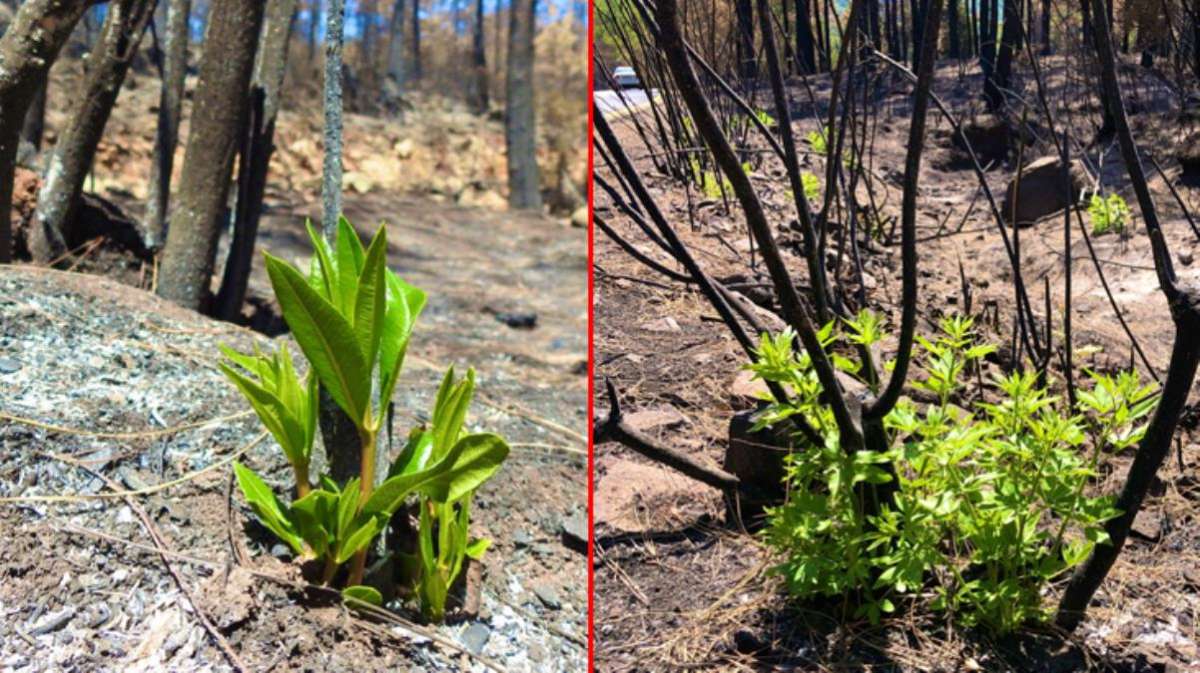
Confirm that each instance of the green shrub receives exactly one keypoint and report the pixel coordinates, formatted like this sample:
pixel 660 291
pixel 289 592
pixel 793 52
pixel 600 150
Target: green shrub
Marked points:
pixel 1108 214
pixel 989 505
pixel 352 318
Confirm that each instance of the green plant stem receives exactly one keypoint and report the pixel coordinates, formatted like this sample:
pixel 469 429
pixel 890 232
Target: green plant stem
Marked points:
pixel 366 484
pixel 331 567
pixel 302 486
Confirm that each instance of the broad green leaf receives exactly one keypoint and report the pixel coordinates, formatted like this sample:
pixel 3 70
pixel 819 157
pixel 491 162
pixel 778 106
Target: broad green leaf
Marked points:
pixel 415 455
pixel 323 275
pixel 366 594
pixel 476 458
pixel 369 301
pixel 349 252
pixel 267 506
pixel 367 528
pixel 403 305
pixel 448 423
pixel 347 507
pixel 278 420
pixel 326 338
pixel 314 519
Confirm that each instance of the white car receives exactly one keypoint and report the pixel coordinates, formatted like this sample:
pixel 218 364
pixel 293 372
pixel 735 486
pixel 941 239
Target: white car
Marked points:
pixel 626 78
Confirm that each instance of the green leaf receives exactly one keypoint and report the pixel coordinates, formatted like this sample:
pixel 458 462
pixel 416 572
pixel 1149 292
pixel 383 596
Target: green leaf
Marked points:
pixel 347 507
pixel 449 418
pixel 415 455
pixel 274 414
pixel 323 275
pixel 472 461
pixel 326 338
pixel 477 548
pixel 369 301
pixel 365 531
pixel 349 265
pixel 267 506
pixel 366 594
pixel 315 521
pixel 404 304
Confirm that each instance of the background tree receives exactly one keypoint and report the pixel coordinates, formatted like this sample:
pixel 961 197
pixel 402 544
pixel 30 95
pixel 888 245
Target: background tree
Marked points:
pixel 395 55
pixel 520 133
pixel 220 97
pixel 75 148
pixel 35 121
pixel 170 109
pixel 27 50
pixel 331 174
pixel 479 60
pixel 805 51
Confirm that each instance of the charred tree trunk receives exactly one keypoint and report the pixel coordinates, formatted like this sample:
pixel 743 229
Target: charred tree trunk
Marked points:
pixel 27 50
pixel 76 144
pixel 258 145
pixel 1047 44
pixel 1184 303
pixel 35 120
pixel 805 52
pixel 479 58
pixel 416 40
pixel 997 79
pixel 395 57
pixel 218 112
pixel 952 27
pixel 745 40
pixel 520 133
pixel 170 108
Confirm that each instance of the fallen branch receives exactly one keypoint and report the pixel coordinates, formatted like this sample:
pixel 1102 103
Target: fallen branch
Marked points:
pixel 615 429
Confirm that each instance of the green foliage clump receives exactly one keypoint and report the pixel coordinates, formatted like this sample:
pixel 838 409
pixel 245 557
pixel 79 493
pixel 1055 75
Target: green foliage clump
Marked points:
pixel 1108 214
pixel 985 507
pixel 352 318
pixel 819 141
pixel 812 187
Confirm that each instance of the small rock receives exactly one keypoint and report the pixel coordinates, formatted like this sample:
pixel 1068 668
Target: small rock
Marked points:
pixel 746 390
pixel 575 532
pixel 664 324
pixel 1185 258
pixel 518 320
pixel 579 218
pixel 9 366
pixel 53 622
pixel 548 595
pixel 522 538
pixel 475 637
pixel 1147 525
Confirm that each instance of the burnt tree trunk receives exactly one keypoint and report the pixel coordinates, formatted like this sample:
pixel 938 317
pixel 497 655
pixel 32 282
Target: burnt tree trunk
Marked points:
pixel 76 145
pixel 952 27
pixel 999 78
pixel 170 109
pixel 218 111
pixel 520 132
pixel 258 145
pixel 747 63
pixel 34 126
pixel 416 40
pixel 479 60
pixel 27 50
pixel 1047 44
pixel 806 56
pixel 1184 303
pixel 395 55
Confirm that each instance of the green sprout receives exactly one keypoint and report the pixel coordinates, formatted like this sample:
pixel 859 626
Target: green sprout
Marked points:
pixel 352 318
pixel 1108 214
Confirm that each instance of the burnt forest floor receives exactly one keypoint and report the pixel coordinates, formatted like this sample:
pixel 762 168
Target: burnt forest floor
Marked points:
pixel 98 371
pixel 679 588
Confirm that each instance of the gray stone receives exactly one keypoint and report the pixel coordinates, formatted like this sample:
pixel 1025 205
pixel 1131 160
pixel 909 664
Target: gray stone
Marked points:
pixel 522 538
pixel 548 595
pixel 475 637
pixel 575 532
pixel 53 622
pixel 1041 192
pixel 9 366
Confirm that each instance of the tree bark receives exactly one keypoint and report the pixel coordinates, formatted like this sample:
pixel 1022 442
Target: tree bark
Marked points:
pixel 520 132
pixel 952 26
pixel 805 53
pixel 416 40
pixel 747 63
pixel 479 58
pixel 395 57
pixel 331 175
pixel 314 18
pixel 997 79
pixel 27 50
pixel 170 109
pixel 218 111
pixel 76 145
pixel 1047 45
pixel 34 126
pixel 258 145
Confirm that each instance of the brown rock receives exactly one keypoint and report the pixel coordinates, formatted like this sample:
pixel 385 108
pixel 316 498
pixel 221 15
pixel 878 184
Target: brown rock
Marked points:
pixel 746 391
pixel 989 136
pixel 1040 192
pixel 655 417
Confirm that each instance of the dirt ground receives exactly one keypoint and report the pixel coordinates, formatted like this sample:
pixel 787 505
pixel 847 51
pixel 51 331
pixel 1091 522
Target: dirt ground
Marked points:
pixel 101 373
pixel 677 370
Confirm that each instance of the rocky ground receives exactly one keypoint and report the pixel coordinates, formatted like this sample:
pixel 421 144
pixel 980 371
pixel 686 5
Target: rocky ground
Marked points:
pixel 678 372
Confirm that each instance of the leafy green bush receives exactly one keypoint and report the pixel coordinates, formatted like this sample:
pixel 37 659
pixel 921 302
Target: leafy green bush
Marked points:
pixel 819 141
pixel 812 187
pixel 352 318
pixel 988 506
pixel 1108 214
